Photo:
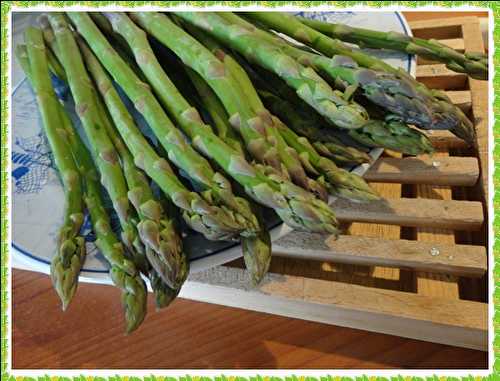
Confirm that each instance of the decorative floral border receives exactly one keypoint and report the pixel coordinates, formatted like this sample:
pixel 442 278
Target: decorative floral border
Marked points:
pixel 5 158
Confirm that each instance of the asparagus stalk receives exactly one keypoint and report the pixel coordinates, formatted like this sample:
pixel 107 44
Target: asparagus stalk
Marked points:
pixel 297 207
pixel 123 272
pixel 308 85
pixel 208 101
pixel 215 222
pixel 444 114
pixel 341 182
pixel 70 251
pixel 163 246
pixel 473 64
pixel 187 118
pixel 160 245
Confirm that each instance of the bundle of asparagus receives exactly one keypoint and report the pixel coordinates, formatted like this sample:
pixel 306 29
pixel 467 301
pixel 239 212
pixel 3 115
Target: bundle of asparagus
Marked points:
pixel 232 99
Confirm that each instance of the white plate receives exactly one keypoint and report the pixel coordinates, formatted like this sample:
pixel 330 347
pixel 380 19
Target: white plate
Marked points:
pixel 37 195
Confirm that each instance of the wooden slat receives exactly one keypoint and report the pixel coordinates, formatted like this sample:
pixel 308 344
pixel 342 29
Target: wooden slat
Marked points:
pixel 466 260
pixel 461 98
pixel 460 171
pixel 438 76
pixel 440 29
pixel 454 43
pixel 457 215
pixel 441 139
pixel 453 322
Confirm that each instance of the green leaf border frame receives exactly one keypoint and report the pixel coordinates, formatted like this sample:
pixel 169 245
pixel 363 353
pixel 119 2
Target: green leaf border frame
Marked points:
pixel 6 9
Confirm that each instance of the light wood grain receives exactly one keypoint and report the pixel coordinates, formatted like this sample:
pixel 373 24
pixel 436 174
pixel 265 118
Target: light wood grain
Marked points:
pixel 445 140
pixel 450 214
pixel 438 76
pixel 435 170
pixel 432 256
pixel 413 16
pixel 460 98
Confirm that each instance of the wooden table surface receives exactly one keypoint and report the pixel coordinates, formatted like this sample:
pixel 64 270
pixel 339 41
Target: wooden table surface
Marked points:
pixel 198 335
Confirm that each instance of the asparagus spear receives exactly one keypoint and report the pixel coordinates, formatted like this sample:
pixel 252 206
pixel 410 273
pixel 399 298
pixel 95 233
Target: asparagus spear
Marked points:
pixel 165 264
pixel 70 252
pixel 444 114
pixel 186 117
pixel 473 64
pixel 123 272
pixel 161 245
pixel 296 207
pixel 308 85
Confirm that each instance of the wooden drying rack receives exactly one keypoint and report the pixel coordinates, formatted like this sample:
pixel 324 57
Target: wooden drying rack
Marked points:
pixel 413 265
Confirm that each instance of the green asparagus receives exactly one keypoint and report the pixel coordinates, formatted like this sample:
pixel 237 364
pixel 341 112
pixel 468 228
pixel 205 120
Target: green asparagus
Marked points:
pixel 297 207
pixel 88 111
pixel 187 118
pixel 396 95
pixel 215 222
pixel 306 82
pixel 305 121
pixel 346 184
pixel 123 271
pixel 444 114
pixel 70 251
pixel 288 157
pixel 160 245
pixel 473 64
